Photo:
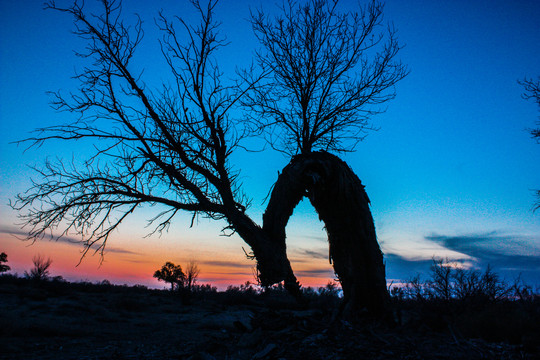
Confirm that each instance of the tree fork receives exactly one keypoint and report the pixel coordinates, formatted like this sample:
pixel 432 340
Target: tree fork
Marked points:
pixel 273 265
pixel 339 198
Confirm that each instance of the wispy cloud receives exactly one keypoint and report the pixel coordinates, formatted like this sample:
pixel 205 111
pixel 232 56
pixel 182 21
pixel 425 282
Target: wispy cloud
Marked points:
pixel 139 261
pixel 320 273
pixel 70 240
pixel 400 267
pixel 319 238
pixel 505 251
pixel 312 254
pixel 228 274
pixel 117 250
pixel 227 264
pixel 12 231
pixel 508 254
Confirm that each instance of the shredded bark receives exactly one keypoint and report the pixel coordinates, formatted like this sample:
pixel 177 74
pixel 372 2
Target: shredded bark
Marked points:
pixel 340 199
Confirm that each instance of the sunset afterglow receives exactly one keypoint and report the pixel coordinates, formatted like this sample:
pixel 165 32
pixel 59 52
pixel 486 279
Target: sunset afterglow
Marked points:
pixel 450 173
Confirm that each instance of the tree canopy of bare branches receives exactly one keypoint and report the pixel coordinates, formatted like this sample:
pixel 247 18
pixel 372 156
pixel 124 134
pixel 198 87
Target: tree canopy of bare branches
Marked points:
pixel 169 146
pixel 322 74
pixel 328 73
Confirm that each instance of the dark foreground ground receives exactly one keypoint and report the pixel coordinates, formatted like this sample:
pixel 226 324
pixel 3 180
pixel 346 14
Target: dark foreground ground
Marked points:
pixel 56 320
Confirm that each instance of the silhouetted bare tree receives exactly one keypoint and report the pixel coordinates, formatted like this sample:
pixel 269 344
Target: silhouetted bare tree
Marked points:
pixel 40 271
pixel 192 274
pixel 532 92
pixel 441 284
pixel 328 73
pixel 172 147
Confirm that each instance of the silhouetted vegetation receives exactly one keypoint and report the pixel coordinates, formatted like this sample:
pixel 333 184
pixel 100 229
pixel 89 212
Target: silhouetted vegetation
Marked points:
pixel 192 274
pixel 532 92
pixel 3 261
pixel 435 318
pixel 172 274
pixel 181 281
pixel 40 271
pixel 319 78
pixel 324 82
pixel 468 303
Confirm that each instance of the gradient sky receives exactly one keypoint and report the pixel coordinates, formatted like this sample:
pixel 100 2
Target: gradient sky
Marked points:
pixel 450 173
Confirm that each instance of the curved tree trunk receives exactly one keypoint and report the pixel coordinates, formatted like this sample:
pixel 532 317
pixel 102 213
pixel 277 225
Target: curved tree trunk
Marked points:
pixel 339 198
pixel 273 265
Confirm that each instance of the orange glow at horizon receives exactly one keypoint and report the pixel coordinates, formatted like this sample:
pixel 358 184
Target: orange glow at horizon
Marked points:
pixel 219 267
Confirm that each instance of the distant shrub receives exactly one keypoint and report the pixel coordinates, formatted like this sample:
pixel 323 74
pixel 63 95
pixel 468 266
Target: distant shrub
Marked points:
pixel 332 288
pixel 325 298
pixel 204 289
pixel 449 282
pixel 468 303
pixel 40 271
pixel 3 260
pixel 415 289
pixel 240 295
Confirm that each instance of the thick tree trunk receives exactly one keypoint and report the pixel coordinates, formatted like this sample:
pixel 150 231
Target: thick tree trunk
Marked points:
pixel 273 265
pixel 339 198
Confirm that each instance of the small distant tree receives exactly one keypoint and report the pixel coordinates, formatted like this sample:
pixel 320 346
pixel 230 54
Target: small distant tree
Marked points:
pixel 3 259
pixel 441 283
pixel 40 271
pixel 492 286
pixel 192 273
pixel 171 273
pixel 332 288
pixel 415 289
pixel 468 284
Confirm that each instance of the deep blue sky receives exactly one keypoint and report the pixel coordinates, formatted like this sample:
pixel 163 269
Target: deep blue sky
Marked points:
pixel 450 173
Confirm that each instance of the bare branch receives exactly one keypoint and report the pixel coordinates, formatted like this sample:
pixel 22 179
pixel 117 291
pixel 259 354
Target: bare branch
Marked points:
pixel 532 92
pixel 169 147
pixel 329 72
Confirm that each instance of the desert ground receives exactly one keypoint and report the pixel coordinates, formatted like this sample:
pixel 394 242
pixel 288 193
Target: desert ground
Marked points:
pixel 60 320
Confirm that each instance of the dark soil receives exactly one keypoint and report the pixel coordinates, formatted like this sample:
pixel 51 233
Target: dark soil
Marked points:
pixel 56 320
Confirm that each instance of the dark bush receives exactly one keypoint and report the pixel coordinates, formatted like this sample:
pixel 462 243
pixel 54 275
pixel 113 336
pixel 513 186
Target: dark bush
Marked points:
pixel 469 304
pixel 3 259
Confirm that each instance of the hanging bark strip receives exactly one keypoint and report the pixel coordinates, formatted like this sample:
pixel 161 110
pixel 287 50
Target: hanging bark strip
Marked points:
pixel 339 198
